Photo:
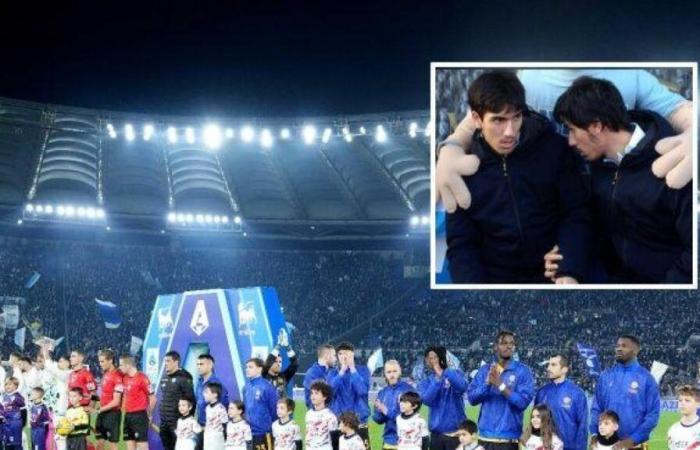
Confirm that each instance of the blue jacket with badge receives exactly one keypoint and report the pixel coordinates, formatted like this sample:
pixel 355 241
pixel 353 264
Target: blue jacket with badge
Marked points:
pixel 501 417
pixel 569 407
pixel 645 227
pixel 630 391
pixel 523 204
pixel 444 395
pixel 260 399
pixel 390 396
pixel 351 392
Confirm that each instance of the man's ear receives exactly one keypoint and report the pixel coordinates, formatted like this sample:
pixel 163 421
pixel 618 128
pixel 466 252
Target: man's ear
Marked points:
pixel 477 119
pixel 595 128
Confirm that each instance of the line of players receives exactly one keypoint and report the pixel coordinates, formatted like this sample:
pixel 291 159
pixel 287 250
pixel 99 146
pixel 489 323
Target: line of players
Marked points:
pixel 626 396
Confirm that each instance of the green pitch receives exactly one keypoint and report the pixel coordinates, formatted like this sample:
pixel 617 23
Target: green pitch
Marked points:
pixel 657 441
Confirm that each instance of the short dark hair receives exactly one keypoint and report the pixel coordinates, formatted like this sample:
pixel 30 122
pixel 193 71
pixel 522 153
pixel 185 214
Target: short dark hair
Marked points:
pixel 503 333
pixel 288 402
pixel 413 398
pixel 39 389
pixel 107 353
pixel 78 351
pixel 345 346
pixel 26 359
pixel 322 387
pixel 495 91
pixel 631 337
pixel 469 426
pixel 207 356
pixel 77 390
pixel 563 359
pixel 609 414
pixel 350 420
pixel 17 355
pixel 257 361
pixel 172 354
pixel 215 388
pixel 590 100
pixel 238 404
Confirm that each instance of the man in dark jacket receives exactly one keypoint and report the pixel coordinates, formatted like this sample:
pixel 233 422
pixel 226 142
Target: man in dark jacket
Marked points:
pixel 644 227
pixel 175 384
pixel 272 371
pixel 528 194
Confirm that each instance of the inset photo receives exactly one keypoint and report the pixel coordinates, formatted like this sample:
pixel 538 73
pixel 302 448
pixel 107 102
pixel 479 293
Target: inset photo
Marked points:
pixel 564 175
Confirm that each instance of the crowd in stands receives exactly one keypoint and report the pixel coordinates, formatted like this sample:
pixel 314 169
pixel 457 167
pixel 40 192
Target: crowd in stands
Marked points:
pixel 329 295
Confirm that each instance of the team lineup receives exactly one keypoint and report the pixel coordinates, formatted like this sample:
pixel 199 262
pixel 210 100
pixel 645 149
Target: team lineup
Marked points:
pixel 56 399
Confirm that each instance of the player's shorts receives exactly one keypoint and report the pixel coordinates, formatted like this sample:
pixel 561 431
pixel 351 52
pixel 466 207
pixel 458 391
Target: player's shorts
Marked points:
pixel 136 426
pixel 108 425
pixel 262 442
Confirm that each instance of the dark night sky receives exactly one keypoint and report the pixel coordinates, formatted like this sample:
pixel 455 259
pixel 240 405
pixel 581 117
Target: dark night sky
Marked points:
pixel 311 58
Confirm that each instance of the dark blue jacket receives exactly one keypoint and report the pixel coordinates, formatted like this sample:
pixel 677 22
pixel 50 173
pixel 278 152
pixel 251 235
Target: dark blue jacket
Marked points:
pixel 260 399
pixel 633 394
pixel 523 204
pixel 645 225
pixel 445 397
pixel 314 373
pixel 569 409
pixel 351 392
pixel 501 417
pixel 390 396
pixel 199 395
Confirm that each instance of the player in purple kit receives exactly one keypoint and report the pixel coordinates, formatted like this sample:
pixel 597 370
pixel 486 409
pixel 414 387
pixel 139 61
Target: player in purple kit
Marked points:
pixel 13 403
pixel 39 419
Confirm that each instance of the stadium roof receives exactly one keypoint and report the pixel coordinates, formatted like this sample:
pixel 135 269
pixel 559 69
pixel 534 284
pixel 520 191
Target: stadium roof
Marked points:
pixel 358 175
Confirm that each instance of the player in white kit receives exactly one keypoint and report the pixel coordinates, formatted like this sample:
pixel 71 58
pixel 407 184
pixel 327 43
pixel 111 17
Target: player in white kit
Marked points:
pixel 286 434
pixel 685 434
pixel 187 426
pixel 320 420
pixel 541 434
pixel 238 433
pixel 411 429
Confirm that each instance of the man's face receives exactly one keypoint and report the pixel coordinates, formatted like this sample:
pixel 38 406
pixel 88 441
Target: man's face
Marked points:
pixel 586 141
pixel 330 357
pixel 555 369
pixel 25 366
pixel 392 373
pixel 124 366
pixel 432 360
pixel 346 356
pixel 501 130
pixel 625 350
pixel 252 370
pixel 505 347
pixel 105 363
pixel 276 366
pixel 170 364
pixel 204 367
pixel 76 359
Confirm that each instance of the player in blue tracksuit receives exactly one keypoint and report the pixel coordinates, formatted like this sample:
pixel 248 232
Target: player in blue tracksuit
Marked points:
pixel 567 402
pixel 322 369
pixel 13 404
pixel 386 406
pixel 443 391
pixel 631 391
pixel 260 399
pixel 205 368
pixel 350 384
pixel 39 419
pixel 504 389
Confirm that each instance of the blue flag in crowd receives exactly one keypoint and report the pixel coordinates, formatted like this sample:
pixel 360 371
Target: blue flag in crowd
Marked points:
pixel 31 281
pixel 589 354
pixel 109 312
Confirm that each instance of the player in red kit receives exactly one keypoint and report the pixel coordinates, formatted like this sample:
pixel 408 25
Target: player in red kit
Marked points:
pixel 108 423
pixel 139 402
pixel 81 377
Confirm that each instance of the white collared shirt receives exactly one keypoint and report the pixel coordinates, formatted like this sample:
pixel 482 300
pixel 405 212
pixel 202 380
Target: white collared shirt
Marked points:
pixel 637 135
